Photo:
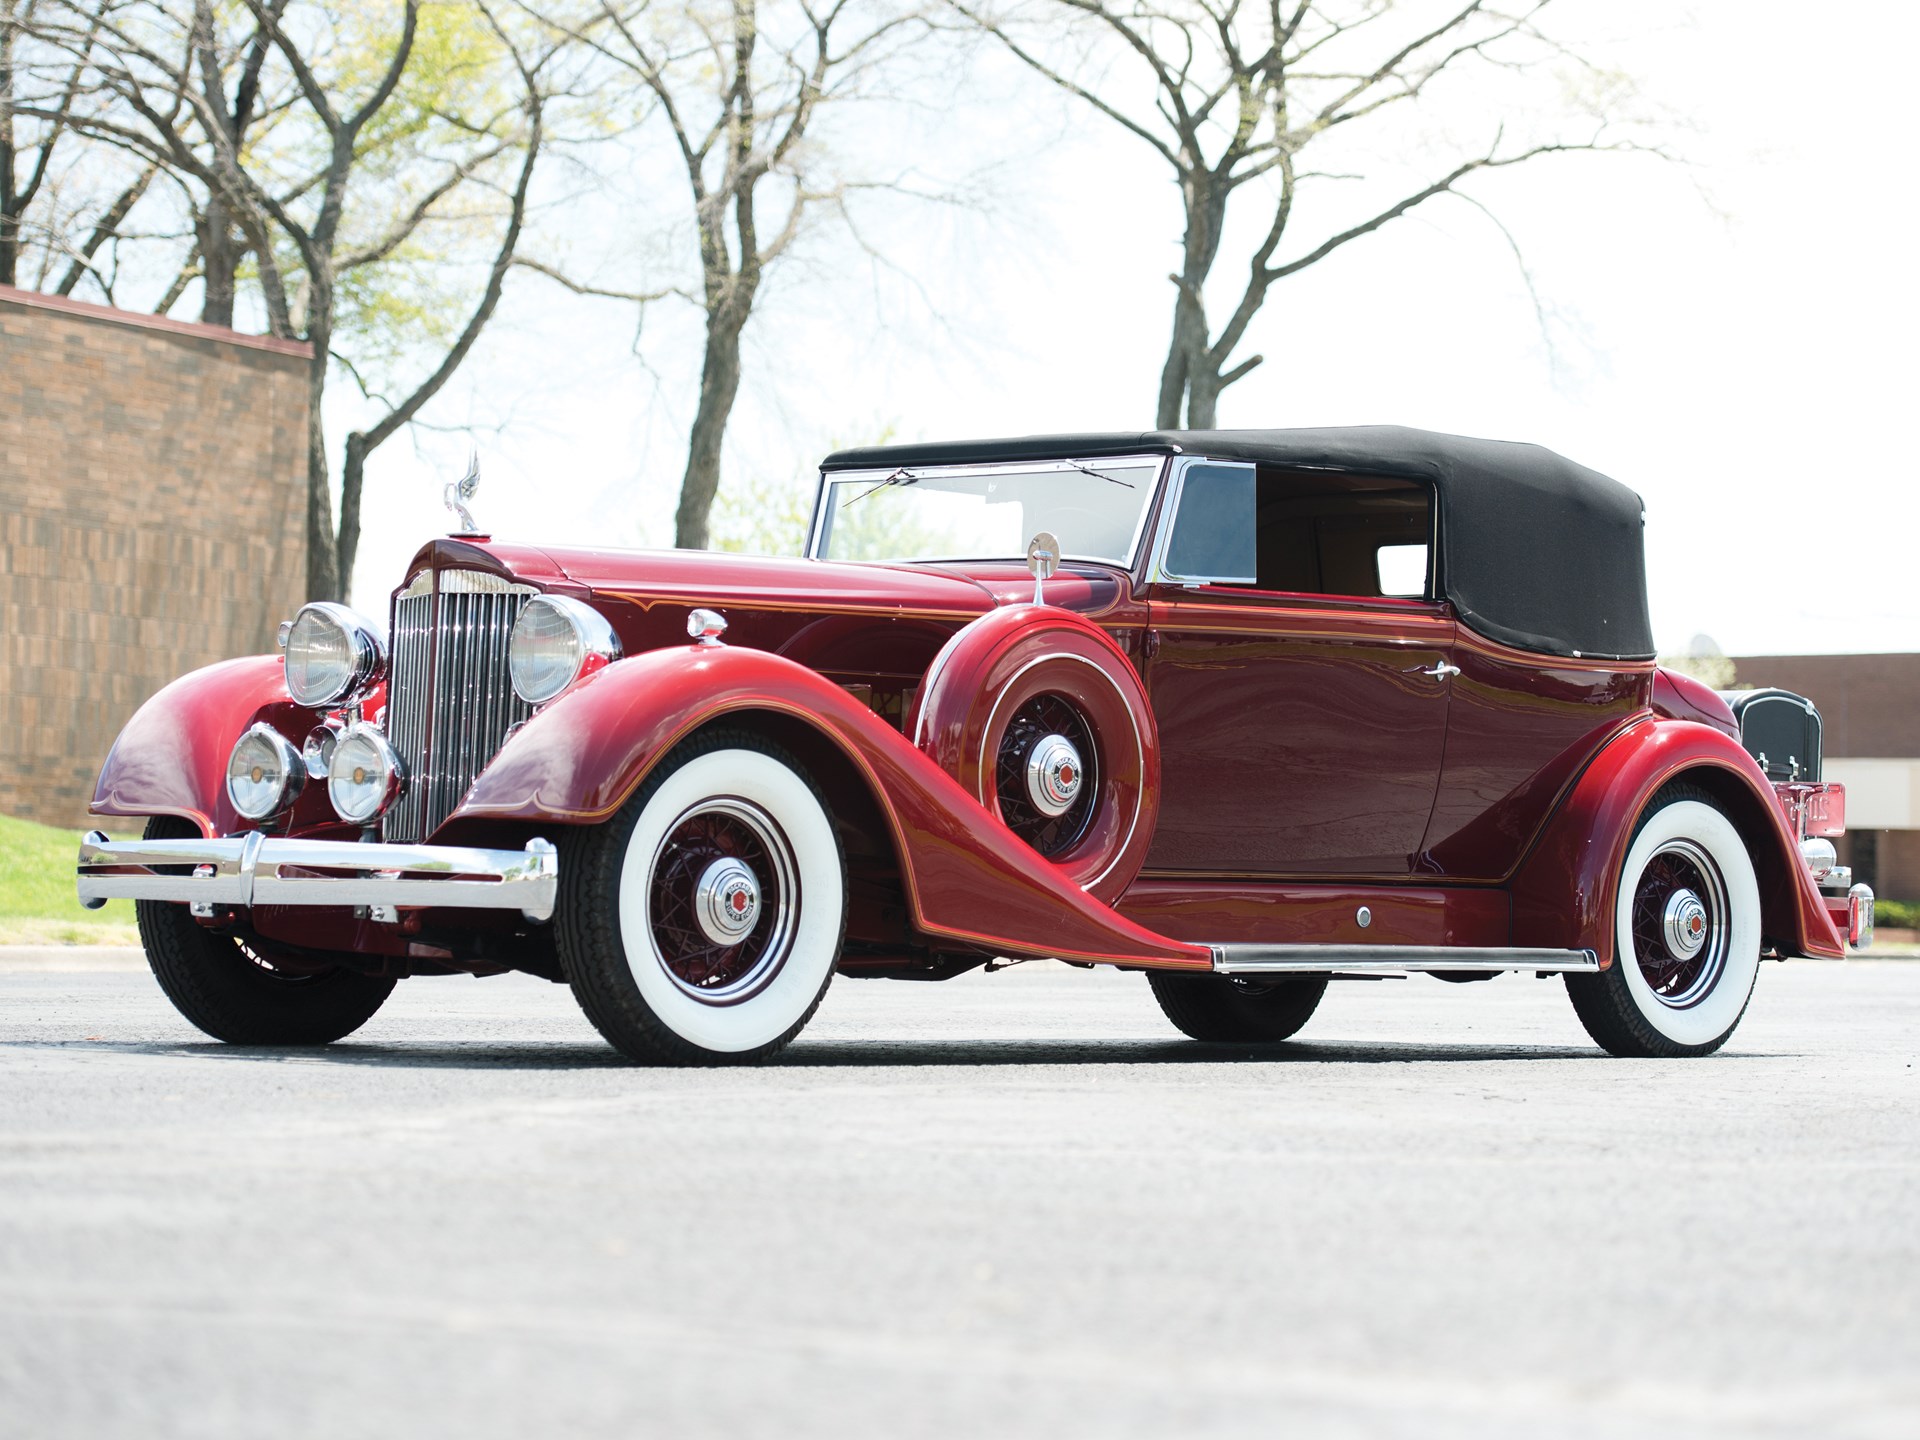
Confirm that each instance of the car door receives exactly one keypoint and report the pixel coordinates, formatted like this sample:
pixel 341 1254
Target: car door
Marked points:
pixel 1302 722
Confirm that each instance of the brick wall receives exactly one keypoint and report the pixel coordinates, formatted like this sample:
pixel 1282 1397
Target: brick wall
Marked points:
pixel 152 519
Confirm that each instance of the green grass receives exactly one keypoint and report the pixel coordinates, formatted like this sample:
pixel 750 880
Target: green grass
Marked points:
pixel 37 904
pixel 1898 914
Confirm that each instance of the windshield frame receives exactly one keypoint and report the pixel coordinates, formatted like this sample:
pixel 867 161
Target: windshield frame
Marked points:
pixel 1155 463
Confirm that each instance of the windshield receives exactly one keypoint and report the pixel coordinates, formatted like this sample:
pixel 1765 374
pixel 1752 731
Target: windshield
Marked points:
pixel 986 512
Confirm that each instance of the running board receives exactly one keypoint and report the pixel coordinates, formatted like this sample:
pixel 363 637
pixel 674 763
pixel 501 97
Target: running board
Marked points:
pixel 1377 959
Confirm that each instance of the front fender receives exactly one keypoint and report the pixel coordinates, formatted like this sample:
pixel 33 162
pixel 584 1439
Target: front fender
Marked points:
pixel 171 757
pixel 1564 892
pixel 967 877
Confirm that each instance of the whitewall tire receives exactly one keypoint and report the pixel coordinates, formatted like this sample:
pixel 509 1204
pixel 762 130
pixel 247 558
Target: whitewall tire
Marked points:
pixel 702 924
pixel 1687 936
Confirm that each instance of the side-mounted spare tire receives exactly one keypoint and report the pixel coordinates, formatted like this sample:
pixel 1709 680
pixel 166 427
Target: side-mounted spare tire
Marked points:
pixel 1043 719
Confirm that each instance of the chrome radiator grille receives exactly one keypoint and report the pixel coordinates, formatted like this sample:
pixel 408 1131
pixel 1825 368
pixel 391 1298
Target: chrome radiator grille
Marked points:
pixel 449 699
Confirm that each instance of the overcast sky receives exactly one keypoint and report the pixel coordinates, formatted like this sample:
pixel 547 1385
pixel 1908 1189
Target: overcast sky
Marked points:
pixel 1733 339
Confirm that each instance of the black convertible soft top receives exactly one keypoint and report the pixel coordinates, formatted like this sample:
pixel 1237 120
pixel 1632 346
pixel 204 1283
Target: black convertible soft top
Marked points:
pixel 1535 551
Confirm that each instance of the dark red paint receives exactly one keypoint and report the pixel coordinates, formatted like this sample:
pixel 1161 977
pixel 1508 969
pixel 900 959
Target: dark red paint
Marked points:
pixel 1307 765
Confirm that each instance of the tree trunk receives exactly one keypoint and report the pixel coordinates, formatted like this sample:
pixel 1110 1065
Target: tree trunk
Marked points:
pixel 353 470
pixel 324 581
pixel 1203 396
pixel 719 384
pixel 9 222
pixel 1188 375
pixel 220 264
pixel 1186 355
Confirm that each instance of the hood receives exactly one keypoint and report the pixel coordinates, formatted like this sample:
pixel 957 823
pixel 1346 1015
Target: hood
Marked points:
pixel 870 624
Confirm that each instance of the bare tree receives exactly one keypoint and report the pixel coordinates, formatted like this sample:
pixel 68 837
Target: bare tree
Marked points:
pixel 1240 91
pixel 740 85
pixel 372 150
pixel 26 159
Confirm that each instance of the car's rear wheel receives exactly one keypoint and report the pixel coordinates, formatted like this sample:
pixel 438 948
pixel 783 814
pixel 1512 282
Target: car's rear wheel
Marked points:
pixel 1686 936
pixel 241 993
pixel 1236 1010
pixel 702 923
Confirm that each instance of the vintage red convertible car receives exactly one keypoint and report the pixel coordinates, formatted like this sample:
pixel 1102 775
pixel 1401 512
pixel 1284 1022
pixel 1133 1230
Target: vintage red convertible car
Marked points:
pixel 1274 707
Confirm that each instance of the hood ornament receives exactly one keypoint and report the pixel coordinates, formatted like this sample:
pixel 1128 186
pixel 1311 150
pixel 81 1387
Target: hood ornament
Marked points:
pixel 457 492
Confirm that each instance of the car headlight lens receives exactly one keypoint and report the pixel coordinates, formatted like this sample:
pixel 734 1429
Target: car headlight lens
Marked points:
pixel 264 773
pixel 365 775
pixel 553 640
pixel 332 653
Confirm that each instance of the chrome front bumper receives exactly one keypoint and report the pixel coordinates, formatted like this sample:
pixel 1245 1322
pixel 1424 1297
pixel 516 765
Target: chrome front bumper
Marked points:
pixel 257 870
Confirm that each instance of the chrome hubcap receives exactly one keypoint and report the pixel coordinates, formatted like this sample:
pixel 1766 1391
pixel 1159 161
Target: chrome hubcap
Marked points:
pixel 1680 924
pixel 1054 774
pixel 723 900
pixel 1685 923
pixel 726 901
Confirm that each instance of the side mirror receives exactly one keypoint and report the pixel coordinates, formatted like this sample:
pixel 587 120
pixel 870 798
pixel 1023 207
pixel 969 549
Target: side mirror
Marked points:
pixel 1043 559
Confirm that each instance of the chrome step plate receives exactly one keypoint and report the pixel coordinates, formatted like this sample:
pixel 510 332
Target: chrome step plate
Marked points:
pixel 1375 959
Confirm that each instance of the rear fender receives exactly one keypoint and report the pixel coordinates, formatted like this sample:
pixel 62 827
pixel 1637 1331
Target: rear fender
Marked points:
pixel 171 757
pixel 967 877
pixel 1564 892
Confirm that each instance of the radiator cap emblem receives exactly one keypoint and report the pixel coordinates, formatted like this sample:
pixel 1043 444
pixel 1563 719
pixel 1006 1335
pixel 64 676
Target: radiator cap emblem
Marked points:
pixel 457 492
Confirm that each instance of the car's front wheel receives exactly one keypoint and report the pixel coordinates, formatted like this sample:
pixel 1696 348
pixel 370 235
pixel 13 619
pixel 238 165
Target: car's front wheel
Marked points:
pixel 1686 936
pixel 702 923
pixel 240 992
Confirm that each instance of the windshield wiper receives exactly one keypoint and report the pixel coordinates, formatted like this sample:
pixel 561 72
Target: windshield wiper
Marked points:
pixel 1089 470
pixel 898 477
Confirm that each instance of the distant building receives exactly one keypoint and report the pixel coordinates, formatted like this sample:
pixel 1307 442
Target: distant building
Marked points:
pixel 152 519
pixel 1870 716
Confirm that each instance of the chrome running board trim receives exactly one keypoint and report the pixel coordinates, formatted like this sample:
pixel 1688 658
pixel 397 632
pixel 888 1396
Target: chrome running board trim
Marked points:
pixel 254 869
pixel 1375 959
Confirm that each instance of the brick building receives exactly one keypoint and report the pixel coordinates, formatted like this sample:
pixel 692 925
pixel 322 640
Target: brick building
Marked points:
pixel 1870 724
pixel 152 519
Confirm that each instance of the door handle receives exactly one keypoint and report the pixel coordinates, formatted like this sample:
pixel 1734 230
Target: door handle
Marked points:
pixel 1442 671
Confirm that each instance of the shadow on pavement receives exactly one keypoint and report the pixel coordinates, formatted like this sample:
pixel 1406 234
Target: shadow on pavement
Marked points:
pixel 850 1054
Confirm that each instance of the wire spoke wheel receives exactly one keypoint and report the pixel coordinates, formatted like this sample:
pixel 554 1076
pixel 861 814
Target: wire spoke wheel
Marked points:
pixel 702 922
pixel 1687 935
pixel 1046 776
pixel 1680 924
pixel 722 898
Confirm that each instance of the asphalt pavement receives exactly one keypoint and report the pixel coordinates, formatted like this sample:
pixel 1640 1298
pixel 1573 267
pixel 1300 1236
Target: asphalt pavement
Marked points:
pixel 1011 1205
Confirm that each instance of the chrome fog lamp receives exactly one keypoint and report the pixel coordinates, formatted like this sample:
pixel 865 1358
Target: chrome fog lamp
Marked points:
pixel 365 775
pixel 332 654
pixel 552 642
pixel 264 773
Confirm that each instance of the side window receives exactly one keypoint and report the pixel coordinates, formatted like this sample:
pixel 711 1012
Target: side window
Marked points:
pixel 1213 539
pixel 1324 533
pixel 1402 570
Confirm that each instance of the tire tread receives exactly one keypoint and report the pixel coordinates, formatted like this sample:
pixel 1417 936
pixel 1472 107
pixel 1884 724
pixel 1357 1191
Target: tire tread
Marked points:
pixel 587 922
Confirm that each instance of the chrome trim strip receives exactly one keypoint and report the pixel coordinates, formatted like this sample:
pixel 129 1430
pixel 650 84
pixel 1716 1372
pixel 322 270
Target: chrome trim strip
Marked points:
pixel 481 582
pixel 1318 959
pixel 253 869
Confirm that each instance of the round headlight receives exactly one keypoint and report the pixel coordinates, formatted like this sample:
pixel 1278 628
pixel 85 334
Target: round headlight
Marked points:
pixel 264 773
pixel 332 653
pixel 365 776
pixel 552 641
